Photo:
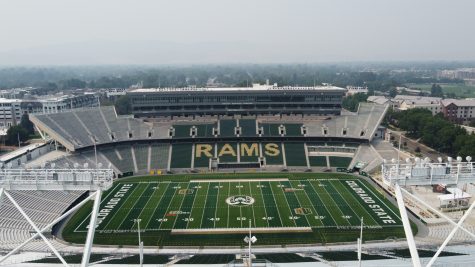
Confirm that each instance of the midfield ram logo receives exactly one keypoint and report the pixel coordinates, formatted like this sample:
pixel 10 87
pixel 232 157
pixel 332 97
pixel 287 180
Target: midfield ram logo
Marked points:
pixel 240 200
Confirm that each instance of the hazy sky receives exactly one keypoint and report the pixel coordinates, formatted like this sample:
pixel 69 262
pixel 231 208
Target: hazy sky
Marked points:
pixel 237 31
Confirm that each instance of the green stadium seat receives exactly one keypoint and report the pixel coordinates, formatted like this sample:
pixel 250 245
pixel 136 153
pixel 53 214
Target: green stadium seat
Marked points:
pixel 341 162
pixel 181 155
pixel 295 154
pixel 318 161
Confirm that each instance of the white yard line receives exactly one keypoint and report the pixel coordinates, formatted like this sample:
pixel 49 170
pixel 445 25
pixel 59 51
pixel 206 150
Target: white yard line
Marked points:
pixel 161 197
pixel 311 204
pixel 278 212
pixel 348 204
pixel 104 199
pixel 336 204
pixel 193 204
pixel 323 202
pixel 288 205
pixel 125 200
pixel 204 206
pixel 305 216
pixel 216 206
pixel 171 200
pixel 147 203
pixel 135 203
pixel 181 204
pixel 366 211
pixel 371 192
pixel 264 204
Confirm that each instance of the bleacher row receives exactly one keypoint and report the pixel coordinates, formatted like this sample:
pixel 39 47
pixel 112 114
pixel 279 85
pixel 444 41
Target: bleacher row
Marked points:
pixel 283 154
pixel 41 206
pixel 82 128
pixel 142 158
pixel 137 158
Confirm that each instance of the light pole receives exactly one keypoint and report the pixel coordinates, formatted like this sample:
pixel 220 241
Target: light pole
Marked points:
pixel 140 241
pixel 360 243
pixel 250 239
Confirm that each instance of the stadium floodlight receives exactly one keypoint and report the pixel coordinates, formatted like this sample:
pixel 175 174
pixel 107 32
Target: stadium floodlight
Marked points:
pixel 423 172
pixel 57 180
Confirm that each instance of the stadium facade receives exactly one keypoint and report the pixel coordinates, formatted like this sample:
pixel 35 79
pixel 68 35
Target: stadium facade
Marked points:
pixel 273 142
pixel 255 100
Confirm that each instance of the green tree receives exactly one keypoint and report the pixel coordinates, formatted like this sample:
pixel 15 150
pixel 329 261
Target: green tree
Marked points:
pixel 436 91
pixel 122 105
pixel 352 102
pixel 16 133
pixel 393 92
pixel 27 124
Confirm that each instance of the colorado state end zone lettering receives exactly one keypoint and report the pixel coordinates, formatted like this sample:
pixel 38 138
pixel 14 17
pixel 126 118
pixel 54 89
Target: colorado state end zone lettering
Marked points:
pixel 377 209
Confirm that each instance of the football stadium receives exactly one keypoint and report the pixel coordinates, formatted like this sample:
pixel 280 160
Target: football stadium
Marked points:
pixel 195 170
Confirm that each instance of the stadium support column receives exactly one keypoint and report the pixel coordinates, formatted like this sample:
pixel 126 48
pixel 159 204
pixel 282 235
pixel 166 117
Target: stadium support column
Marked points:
pixel 193 155
pixel 37 230
pixel 1 194
pixel 57 220
pixel 92 228
pixel 451 235
pixel 284 159
pixel 306 155
pixel 169 163
pixel 407 227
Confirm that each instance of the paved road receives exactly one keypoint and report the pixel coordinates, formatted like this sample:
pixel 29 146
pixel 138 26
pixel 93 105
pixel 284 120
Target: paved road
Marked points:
pixel 412 144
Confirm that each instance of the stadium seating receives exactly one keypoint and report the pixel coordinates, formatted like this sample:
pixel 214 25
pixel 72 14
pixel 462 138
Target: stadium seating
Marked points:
pixel 227 152
pixel 181 155
pixel 293 129
pixel 274 159
pixel 41 206
pixel 318 161
pixel 270 129
pixel 339 162
pixel 248 127
pixel 227 127
pixel 141 156
pixel 159 156
pixel 295 154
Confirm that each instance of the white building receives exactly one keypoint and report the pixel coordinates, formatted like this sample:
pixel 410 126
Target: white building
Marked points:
pixel 461 111
pixel 405 102
pixel 10 112
pixel 351 90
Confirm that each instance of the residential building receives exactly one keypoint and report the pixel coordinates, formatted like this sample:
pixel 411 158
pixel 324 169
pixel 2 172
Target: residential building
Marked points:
pixel 461 111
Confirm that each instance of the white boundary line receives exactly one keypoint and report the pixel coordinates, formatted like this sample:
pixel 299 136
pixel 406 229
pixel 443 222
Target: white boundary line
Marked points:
pixel 135 203
pixel 204 206
pixel 159 200
pixel 125 201
pixel 193 204
pixel 336 204
pixel 181 204
pixel 310 201
pixel 89 215
pixel 151 196
pixel 364 208
pixel 278 212
pixel 264 203
pixel 323 202
pixel 298 201
pixel 379 199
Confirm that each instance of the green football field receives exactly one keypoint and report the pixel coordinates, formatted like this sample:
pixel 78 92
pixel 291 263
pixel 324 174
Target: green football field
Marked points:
pixel 279 204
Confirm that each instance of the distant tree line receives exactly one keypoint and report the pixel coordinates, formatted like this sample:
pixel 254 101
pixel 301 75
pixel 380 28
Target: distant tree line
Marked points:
pixel 435 131
pixel 375 76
